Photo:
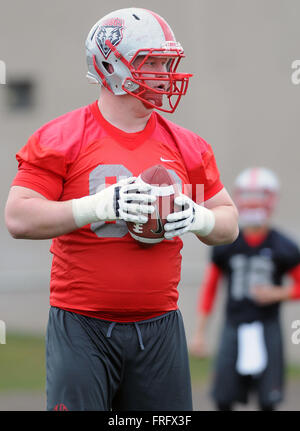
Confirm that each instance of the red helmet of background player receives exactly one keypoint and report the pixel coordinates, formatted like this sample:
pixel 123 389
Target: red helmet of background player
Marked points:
pixel 115 42
pixel 255 194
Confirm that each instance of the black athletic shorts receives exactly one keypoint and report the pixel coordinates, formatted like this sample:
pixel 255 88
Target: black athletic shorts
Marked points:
pixel 229 386
pixel 94 364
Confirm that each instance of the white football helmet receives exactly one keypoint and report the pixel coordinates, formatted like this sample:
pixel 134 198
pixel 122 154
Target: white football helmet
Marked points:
pixel 255 194
pixel 114 43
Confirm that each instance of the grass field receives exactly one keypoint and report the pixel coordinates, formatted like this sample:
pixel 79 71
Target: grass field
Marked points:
pixel 22 364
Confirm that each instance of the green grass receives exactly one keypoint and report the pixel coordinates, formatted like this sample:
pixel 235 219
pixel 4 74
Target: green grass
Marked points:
pixel 22 364
pixel 201 369
pixel 293 371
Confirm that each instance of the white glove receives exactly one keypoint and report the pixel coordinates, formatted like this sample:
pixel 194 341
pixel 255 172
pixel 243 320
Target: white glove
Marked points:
pixel 124 200
pixel 193 218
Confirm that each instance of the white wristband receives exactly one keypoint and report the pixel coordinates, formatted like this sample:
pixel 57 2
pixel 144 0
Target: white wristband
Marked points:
pixel 90 209
pixel 84 210
pixel 204 221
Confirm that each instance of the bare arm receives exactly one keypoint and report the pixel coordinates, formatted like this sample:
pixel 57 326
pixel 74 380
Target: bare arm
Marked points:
pixel 226 227
pixel 206 298
pixel 29 215
pixel 198 346
pixel 266 295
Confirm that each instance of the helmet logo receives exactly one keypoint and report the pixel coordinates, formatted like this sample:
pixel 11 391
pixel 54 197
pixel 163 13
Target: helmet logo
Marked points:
pixel 111 31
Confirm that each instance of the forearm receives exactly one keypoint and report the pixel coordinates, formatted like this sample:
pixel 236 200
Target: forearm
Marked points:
pixel 285 293
pixel 226 229
pixel 197 346
pixel 29 215
pixel 201 323
pixel 37 218
pixel 265 295
pixel 279 293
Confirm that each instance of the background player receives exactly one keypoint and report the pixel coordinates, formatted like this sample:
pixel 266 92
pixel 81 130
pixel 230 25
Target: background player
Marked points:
pixel 250 354
pixel 115 337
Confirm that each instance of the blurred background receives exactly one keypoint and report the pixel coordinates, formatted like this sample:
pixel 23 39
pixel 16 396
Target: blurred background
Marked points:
pixel 242 100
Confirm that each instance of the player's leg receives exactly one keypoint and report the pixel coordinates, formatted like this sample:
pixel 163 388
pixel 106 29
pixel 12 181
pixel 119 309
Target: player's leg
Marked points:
pixel 156 375
pixel 271 383
pixel 228 386
pixel 80 374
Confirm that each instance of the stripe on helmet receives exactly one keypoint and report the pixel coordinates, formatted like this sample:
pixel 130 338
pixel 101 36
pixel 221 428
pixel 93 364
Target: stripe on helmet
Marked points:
pixel 254 177
pixel 168 33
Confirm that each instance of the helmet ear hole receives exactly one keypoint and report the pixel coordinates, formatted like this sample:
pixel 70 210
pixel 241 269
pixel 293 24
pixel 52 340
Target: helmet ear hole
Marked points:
pixel 108 67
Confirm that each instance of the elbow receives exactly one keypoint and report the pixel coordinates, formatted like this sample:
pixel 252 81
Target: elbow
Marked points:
pixel 235 234
pixel 15 227
pixel 229 238
pixel 237 229
pixel 15 230
pixel 234 231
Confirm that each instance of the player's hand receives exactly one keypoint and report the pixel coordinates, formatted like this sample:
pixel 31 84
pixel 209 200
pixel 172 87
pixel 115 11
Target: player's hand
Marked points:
pixel 133 201
pixel 265 295
pixel 198 347
pixel 126 200
pixel 190 218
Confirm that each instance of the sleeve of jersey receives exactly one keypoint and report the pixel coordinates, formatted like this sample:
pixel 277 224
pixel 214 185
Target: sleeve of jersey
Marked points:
pixel 203 172
pixel 208 288
pixel 295 276
pixel 212 183
pixel 41 168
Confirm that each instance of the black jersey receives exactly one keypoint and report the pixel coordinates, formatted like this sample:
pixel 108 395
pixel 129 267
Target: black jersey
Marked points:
pixel 244 266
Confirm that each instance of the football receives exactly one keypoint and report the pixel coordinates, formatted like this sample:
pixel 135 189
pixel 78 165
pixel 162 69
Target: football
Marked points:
pixel 165 189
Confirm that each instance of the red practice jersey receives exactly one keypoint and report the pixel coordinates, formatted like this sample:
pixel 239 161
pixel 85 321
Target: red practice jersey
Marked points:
pixel 99 269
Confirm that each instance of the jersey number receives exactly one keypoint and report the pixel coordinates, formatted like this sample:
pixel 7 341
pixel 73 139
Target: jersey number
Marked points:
pixel 101 177
pixel 248 272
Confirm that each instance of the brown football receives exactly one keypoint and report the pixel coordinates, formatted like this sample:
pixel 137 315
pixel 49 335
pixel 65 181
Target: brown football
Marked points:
pixel 165 189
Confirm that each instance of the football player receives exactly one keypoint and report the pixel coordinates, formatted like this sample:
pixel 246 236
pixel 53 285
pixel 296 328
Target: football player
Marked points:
pixel 250 354
pixel 115 337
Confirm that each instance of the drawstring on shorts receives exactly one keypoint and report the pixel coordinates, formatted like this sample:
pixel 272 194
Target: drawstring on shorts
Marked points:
pixel 138 331
pixel 139 334
pixel 110 328
pixel 137 326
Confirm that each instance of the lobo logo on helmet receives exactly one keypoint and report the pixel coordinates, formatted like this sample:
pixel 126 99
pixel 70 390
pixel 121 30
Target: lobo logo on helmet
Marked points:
pixel 111 31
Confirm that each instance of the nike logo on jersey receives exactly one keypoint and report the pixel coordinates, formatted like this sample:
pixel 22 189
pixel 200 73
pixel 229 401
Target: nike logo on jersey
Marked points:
pixel 166 160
